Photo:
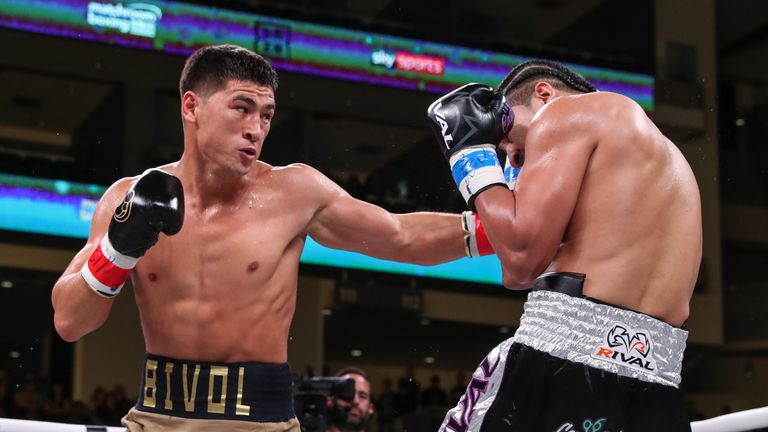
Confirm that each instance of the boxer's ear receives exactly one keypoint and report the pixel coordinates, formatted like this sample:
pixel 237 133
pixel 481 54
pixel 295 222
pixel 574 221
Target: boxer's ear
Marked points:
pixel 189 103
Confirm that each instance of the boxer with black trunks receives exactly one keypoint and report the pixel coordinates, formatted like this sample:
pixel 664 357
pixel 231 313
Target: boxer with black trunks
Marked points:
pixel 217 292
pixel 601 216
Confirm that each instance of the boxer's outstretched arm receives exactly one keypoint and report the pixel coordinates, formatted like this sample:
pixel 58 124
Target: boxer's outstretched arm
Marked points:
pixel 343 222
pixel 525 227
pixel 78 310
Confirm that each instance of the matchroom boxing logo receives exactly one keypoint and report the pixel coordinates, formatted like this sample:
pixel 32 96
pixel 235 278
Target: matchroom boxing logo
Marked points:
pixel 138 19
pixel 625 346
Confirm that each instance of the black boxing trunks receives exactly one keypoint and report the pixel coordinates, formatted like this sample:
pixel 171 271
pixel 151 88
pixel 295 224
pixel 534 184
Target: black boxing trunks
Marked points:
pixel 577 365
pixel 240 392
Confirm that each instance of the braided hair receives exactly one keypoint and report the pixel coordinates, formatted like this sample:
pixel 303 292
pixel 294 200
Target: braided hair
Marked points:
pixel 518 85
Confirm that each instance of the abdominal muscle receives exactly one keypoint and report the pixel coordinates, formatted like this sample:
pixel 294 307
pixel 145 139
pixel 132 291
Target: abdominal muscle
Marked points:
pixel 216 307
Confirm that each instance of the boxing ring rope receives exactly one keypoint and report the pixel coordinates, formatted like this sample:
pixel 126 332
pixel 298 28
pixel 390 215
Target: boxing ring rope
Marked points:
pixel 13 425
pixel 741 421
pixel 735 422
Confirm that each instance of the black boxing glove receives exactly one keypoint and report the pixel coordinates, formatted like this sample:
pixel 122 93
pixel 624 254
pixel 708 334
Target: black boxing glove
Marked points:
pixel 153 204
pixel 469 123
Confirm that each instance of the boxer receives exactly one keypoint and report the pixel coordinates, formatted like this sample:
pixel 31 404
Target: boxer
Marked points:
pixel 603 222
pixel 212 245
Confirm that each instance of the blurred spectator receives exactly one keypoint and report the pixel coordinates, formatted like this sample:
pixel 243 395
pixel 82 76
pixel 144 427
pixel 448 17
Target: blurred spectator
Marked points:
pixel 6 397
pixel 407 396
pixel 457 391
pixel 59 408
pixel 385 406
pixel 434 395
pixel 28 400
pixel 111 413
pixel 99 405
pixel 35 409
pixel 122 402
pixel 81 414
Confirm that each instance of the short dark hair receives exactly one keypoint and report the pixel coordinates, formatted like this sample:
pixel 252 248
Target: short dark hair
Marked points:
pixel 352 370
pixel 209 69
pixel 518 85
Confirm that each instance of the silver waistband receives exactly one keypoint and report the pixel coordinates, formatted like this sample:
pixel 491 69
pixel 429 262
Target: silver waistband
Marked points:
pixel 617 340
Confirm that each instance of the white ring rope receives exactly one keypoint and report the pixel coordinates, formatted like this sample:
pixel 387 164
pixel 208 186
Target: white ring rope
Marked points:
pixel 735 422
pixel 741 421
pixel 13 425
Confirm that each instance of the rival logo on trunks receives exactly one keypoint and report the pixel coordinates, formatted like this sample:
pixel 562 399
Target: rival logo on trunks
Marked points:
pixel 627 347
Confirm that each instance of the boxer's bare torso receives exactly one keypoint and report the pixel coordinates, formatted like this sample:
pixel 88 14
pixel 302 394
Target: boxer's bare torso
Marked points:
pixel 224 288
pixel 636 228
pixel 227 282
pixel 612 198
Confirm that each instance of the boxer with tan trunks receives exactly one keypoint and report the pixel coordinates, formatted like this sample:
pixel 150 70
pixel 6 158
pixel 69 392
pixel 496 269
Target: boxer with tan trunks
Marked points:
pixel 212 245
pixel 603 221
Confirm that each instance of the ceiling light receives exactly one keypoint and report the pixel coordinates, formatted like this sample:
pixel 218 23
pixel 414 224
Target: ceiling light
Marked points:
pixel 356 353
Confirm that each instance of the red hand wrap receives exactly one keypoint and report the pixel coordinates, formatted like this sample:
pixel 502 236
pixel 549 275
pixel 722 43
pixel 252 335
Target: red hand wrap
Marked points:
pixel 105 271
pixel 483 245
pixel 476 241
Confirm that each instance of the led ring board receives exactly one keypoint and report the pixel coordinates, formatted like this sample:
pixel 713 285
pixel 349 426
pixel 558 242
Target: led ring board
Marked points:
pixel 293 46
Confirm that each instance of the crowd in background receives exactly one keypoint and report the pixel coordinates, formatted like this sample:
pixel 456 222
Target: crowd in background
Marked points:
pixel 35 400
pixel 398 402
pixel 408 405
pixel 401 404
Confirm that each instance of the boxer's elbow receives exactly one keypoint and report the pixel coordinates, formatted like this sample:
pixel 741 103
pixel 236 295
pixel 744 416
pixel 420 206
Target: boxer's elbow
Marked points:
pixel 72 327
pixel 76 310
pixel 514 279
pixel 66 328
pixel 518 269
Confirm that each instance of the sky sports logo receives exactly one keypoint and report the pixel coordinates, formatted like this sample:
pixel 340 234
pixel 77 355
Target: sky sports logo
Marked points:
pixel 408 62
pixel 628 347
pixel 138 19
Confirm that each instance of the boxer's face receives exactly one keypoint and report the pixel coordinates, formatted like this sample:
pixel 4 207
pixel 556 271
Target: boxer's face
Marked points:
pixel 514 142
pixel 233 123
pixel 360 408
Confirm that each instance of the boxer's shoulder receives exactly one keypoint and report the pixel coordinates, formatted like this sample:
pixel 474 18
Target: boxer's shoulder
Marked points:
pixel 304 177
pixel 604 103
pixel 115 193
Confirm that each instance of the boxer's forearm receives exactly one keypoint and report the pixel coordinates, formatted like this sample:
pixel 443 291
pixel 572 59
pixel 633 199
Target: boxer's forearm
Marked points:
pixel 77 309
pixel 520 239
pixel 419 238
pixel 431 238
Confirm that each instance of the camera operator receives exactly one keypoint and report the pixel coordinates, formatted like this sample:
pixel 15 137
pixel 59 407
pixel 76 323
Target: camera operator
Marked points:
pixel 351 416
